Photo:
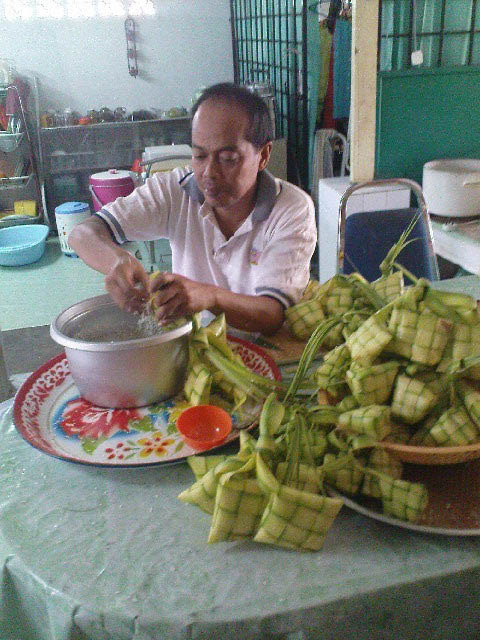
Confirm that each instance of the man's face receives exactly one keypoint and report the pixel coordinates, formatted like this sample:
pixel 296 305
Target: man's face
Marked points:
pixel 224 163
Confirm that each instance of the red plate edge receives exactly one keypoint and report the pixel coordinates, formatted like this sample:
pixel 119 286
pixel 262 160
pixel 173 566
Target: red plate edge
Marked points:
pixel 253 347
pixel 25 388
pixel 27 385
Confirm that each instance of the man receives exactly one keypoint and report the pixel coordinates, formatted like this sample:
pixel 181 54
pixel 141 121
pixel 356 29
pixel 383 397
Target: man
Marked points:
pixel 241 240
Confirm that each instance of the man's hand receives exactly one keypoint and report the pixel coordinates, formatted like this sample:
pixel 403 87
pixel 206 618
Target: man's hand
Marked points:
pixel 173 296
pixel 125 279
pixel 127 283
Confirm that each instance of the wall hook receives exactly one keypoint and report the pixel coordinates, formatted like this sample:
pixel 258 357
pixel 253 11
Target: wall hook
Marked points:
pixel 131 47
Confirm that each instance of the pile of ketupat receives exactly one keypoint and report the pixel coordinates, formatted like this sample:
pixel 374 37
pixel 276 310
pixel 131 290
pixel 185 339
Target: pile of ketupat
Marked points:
pixel 214 367
pixel 399 367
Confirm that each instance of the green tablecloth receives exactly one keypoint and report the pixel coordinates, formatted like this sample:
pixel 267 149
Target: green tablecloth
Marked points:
pixel 95 553
pixel 92 553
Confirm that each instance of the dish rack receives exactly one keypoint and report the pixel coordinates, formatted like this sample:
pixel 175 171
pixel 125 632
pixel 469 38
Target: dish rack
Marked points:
pixel 18 146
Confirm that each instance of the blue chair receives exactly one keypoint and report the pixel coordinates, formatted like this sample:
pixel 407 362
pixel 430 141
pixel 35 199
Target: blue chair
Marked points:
pixel 365 238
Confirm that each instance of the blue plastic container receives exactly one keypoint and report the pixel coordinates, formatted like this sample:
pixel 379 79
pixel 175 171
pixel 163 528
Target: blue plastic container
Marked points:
pixel 22 244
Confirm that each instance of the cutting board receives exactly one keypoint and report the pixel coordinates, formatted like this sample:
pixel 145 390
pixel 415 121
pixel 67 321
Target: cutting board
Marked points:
pixel 282 347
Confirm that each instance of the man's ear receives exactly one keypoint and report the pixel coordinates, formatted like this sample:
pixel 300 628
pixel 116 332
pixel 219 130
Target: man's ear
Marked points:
pixel 265 152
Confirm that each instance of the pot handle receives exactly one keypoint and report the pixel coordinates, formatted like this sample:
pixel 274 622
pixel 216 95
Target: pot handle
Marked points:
pixel 470 182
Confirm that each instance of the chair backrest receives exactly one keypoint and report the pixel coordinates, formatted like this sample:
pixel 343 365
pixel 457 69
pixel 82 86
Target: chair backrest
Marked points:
pixel 364 238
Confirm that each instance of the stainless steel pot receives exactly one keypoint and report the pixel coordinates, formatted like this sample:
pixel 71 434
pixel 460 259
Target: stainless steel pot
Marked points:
pixel 110 365
pixel 452 187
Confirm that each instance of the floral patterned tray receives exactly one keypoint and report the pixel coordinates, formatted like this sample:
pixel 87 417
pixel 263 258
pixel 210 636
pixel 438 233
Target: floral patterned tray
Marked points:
pixel 51 415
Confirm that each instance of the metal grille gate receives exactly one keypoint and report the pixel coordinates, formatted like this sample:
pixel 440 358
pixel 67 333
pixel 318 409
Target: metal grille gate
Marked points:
pixel 269 39
pixel 449 34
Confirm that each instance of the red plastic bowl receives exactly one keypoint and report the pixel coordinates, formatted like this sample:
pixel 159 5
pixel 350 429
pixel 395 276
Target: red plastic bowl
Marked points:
pixel 204 426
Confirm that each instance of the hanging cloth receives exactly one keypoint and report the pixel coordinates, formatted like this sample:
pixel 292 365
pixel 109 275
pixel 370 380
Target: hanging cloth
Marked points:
pixel 342 61
pixel 314 62
pixel 325 52
pixel 327 117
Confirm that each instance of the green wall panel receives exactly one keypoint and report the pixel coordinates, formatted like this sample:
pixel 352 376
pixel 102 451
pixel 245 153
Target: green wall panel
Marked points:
pixel 425 114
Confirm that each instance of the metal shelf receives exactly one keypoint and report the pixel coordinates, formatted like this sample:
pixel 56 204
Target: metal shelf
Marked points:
pixel 10 141
pixel 18 188
pixel 70 154
pixel 15 181
pixel 24 187
pixel 8 219
pixel 122 123
pixel 106 145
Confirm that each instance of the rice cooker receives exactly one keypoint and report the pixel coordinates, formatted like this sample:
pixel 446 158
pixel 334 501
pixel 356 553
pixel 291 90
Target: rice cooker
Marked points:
pixel 452 187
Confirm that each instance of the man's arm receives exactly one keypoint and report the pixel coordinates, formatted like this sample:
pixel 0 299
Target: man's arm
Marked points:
pixel 128 284
pixel 176 295
pixel 125 278
pixel 92 241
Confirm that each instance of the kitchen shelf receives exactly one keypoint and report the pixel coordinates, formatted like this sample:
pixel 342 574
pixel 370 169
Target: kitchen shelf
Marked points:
pixel 8 219
pixel 61 163
pixel 18 188
pixel 16 181
pixel 10 141
pixel 20 151
pixel 69 155
pixel 121 123
pixel 106 145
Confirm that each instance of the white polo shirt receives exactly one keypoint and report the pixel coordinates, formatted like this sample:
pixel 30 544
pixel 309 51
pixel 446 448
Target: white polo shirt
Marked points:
pixel 268 255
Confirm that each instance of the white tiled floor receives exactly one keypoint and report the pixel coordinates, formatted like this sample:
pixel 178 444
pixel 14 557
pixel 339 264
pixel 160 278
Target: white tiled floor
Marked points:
pixel 35 294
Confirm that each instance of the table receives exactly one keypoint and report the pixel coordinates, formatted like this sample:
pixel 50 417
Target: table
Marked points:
pixel 92 553
pixel 459 243
pixel 33 294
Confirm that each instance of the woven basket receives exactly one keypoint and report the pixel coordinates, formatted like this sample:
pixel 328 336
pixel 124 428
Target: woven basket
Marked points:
pixel 433 455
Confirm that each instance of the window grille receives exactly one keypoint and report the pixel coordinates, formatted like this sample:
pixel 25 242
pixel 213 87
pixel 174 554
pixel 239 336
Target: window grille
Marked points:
pixel 446 31
pixel 269 39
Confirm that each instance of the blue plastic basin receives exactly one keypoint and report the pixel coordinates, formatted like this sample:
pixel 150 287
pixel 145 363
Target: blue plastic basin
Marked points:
pixel 22 244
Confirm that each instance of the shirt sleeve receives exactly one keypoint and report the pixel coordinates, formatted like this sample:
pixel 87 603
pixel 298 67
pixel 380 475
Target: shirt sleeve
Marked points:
pixel 290 242
pixel 144 214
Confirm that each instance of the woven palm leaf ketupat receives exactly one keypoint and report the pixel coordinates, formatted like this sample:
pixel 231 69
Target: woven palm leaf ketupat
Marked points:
pixel 454 428
pixel 385 463
pixel 412 399
pixel 372 384
pixel 341 473
pixel 396 376
pixel 471 400
pixel 373 420
pixel 401 499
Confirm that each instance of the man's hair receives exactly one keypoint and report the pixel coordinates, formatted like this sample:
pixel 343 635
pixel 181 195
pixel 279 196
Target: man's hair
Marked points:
pixel 260 130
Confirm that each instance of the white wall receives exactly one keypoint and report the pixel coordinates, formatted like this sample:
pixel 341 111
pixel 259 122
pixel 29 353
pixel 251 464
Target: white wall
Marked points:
pixel 82 64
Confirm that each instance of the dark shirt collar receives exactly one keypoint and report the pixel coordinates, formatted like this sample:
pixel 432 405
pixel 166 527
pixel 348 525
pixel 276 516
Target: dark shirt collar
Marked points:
pixel 266 193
